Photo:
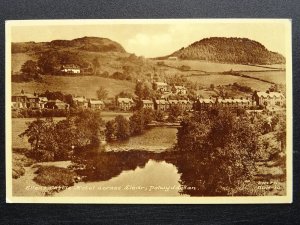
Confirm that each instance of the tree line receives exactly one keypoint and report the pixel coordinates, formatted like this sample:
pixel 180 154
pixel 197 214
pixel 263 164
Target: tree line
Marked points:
pixel 219 150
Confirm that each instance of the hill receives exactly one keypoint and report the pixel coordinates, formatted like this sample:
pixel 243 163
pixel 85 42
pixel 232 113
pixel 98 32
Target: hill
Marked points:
pixel 229 50
pixel 91 44
pixel 96 55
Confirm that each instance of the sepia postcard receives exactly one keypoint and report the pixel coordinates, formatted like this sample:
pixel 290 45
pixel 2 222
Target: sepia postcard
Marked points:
pixel 185 111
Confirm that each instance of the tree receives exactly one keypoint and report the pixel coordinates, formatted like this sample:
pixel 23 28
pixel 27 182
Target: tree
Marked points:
pixel 122 128
pixel 69 100
pixel 173 89
pixel 102 93
pixel 139 90
pixel 220 150
pixel 174 112
pixel 49 63
pixel 137 123
pixel 159 115
pixel 110 130
pixel 281 133
pixel 30 70
pixel 52 141
pixel 147 90
pixel 89 127
pixel 96 64
pixel 40 135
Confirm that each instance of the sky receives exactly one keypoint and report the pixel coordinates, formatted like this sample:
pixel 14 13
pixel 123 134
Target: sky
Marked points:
pixel 153 38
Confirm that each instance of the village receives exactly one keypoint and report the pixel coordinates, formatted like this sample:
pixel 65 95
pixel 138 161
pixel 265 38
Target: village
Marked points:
pixel 168 97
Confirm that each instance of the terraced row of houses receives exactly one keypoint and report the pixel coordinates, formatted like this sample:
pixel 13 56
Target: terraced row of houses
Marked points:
pixel 268 100
pixel 35 102
pixel 126 104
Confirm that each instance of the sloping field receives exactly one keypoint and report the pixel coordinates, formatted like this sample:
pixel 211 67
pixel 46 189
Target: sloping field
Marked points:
pixel 272 76
pixel 229 79
pixel 211 66
pixel 18 59
pixel 76 85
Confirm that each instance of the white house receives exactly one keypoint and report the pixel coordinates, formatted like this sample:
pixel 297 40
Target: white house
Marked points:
pixel 70 68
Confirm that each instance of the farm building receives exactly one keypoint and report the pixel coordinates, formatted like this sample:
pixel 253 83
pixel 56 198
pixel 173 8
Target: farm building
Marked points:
pixel 70 68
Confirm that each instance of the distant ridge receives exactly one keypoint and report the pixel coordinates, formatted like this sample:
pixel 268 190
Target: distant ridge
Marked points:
pixel 229 50
pixel 91 44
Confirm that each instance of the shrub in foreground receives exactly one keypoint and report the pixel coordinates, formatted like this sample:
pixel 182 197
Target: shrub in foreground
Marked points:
pixel 54 176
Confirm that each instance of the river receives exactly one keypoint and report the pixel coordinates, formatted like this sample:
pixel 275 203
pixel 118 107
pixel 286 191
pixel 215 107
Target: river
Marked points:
pixel 154 179
pixel 129 168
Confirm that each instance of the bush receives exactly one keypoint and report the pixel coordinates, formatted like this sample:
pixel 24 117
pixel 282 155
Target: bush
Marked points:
pixel 54 176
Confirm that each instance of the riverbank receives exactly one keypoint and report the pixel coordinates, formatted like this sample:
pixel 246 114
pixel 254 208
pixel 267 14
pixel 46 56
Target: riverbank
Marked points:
pixel 31 178
pixel 122 174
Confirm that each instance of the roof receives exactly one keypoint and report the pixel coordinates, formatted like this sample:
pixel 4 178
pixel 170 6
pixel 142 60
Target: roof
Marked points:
pixel 235 100
pixel 161 84
pixel 96 102
pixel 70 66
pixel 125 100
pixel 57 101
pixel 206 100
pixel 147 101
pixel 161 101
pixel 45 99
pixel 270 94
pixel 27 95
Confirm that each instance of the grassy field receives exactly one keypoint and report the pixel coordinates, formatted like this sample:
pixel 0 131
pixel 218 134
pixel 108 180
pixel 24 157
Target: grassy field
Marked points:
pixel 213 67
pixel 229 79
pixel 272 76
pixel 76 85
pixel 18 59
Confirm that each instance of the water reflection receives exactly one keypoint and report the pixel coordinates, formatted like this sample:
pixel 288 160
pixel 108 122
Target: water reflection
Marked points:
pixel 116 175
pixel 137 173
